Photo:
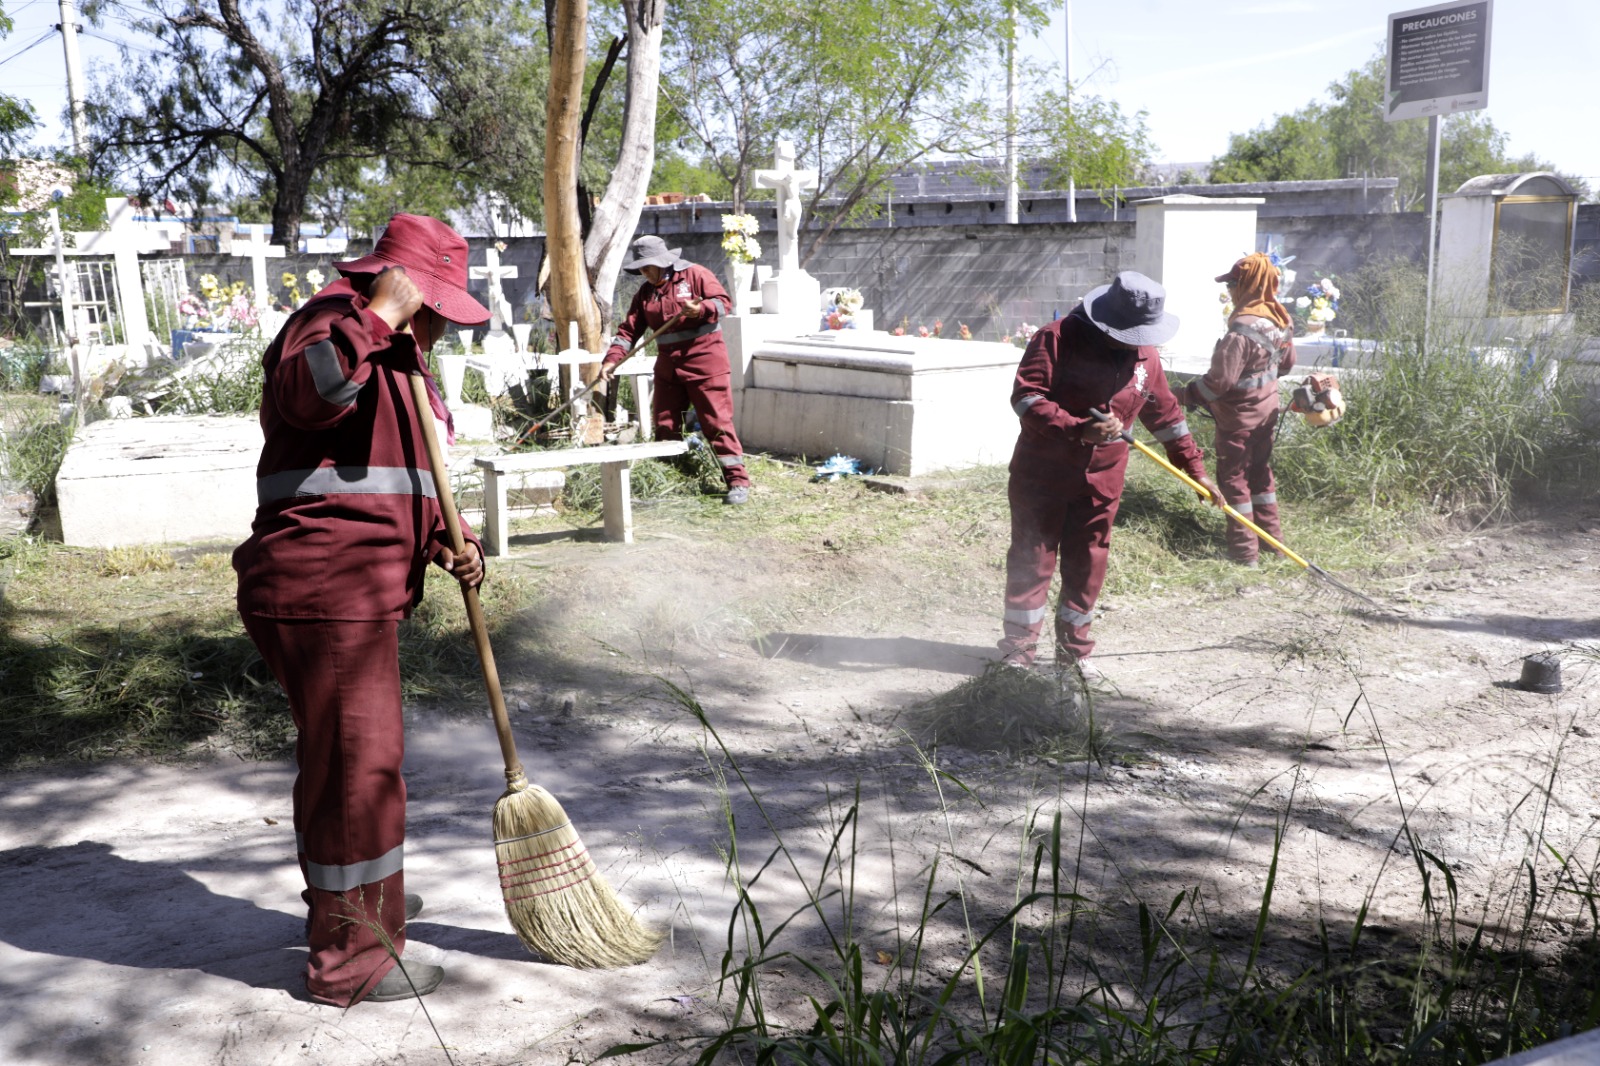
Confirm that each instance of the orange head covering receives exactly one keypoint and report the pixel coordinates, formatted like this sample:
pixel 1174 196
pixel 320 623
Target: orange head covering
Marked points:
pixel 1255 288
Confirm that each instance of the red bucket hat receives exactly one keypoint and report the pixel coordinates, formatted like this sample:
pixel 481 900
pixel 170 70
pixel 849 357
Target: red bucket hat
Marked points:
pixel 435 256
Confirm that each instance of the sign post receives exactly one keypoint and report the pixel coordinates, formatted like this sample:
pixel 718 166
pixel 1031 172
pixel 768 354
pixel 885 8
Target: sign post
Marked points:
pixel 1438 65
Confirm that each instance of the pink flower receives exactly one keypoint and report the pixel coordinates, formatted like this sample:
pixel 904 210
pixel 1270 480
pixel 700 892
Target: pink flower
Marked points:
pixel 899 331
pixel 922 331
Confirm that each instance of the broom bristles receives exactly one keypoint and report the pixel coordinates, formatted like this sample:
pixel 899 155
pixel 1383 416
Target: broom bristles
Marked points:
pixel 558 903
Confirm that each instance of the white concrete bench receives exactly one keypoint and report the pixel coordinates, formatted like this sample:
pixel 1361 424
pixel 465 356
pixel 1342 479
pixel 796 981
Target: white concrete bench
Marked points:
pixel 616 463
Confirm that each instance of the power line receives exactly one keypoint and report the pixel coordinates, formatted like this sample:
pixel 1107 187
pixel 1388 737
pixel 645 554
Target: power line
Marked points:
pixel 43 37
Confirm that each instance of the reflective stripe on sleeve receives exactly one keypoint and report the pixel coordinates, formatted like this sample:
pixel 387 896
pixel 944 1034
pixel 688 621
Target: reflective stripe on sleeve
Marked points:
pixel 344 878
pixel 1255 381
pixel 1077 618
pixel 327 480
pixel 1026 618
pixel 1026 402
pixel 322 358
pixel 1204 390
pixel 1172 433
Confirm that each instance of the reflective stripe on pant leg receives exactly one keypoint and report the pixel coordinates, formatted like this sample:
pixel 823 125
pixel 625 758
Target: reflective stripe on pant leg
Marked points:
pixel 1030 566
pixel 1233 477
pixel 343 684
pixel 1085 548
pixel 713 401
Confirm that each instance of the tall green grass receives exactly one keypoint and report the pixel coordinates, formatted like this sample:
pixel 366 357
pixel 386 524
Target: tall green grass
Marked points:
pixel 1058 978
pixel 1448 423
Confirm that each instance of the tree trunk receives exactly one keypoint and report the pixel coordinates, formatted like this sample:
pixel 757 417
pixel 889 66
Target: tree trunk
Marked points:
pixel 289 206
pixel 571 298
pixel 618 214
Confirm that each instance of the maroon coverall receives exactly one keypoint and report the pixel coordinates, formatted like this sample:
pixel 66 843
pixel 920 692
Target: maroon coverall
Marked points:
pixel 1064 492
pixel 692 367
pixel 1241 392
pixel 347 523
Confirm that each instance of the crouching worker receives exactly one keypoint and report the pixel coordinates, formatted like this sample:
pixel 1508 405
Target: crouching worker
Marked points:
pixel 1067 469
pixel 1241 392
pixel 346 526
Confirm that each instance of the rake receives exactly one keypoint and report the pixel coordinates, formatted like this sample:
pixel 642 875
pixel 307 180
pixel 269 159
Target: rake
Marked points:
pixel 588 390
pixel 1275 543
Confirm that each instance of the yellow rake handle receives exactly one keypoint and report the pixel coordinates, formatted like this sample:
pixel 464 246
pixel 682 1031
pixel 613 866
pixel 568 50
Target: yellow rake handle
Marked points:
pixel 1205 493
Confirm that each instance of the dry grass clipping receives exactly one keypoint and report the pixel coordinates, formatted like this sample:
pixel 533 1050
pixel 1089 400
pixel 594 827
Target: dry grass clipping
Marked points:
pixel 1012 710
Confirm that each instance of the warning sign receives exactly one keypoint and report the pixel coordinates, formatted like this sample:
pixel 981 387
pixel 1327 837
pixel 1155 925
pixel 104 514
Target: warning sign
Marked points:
pixel 1438 60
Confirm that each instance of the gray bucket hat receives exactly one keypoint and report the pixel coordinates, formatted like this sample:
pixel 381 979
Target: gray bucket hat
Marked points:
pixel 1131 310
pixel 653 251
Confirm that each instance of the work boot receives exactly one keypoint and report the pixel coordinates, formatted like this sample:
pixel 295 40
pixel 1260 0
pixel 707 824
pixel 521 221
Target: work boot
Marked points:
pixel 738 494
pixel 408 980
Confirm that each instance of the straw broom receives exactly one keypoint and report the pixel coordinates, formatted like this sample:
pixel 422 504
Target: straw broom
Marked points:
pixel 558 903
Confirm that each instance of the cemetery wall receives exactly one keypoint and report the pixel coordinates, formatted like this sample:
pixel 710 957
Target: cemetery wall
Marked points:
pixel 992 278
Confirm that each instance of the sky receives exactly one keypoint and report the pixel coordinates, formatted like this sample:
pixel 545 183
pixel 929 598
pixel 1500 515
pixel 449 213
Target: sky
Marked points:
pixel 1201 69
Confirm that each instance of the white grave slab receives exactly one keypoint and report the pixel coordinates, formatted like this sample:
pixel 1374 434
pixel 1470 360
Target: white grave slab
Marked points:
pixel 164 480
pixel 901 405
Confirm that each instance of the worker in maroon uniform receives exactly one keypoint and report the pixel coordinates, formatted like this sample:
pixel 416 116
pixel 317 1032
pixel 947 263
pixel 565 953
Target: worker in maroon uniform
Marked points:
pixel 1068 466
pixel 692 367
pixel 347 523
pixel 1241 392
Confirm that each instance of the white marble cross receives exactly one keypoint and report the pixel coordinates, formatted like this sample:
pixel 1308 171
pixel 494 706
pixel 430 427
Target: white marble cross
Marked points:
pixel 259 252
pixel 790 184
pixel 499 306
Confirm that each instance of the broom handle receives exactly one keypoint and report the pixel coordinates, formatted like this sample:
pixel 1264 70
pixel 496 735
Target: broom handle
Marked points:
pixel 1205 493
pixel 458 543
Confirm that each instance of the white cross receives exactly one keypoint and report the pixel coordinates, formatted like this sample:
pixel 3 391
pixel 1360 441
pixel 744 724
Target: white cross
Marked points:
pixel 123 241
pixel 494 273
pixel 259 252
pixel 790 184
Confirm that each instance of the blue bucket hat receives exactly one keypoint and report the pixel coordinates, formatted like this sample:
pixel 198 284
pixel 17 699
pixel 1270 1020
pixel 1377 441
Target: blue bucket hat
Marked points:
pixel 1131 309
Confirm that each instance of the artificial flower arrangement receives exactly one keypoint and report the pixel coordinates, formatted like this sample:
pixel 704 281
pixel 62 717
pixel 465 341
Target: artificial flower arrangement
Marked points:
pixel 841 307
pixel 218 308
pixel 739 238
pixel 291 284
pixel 1020 338
pixel 922 331
pixel 1319 305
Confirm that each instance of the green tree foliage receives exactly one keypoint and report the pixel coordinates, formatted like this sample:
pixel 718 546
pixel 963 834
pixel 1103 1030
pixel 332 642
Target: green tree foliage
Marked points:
pixel 1346 136
pixel 865 89
pixel 355 105
pixel 17 118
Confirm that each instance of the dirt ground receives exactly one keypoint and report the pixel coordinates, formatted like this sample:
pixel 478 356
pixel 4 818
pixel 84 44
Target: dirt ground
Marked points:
pixel 149 913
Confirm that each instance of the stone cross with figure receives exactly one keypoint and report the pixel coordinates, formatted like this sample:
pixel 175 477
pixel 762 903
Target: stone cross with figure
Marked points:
pixel 791 291
pixel 259 252
pixel 790 185
pixel 494 274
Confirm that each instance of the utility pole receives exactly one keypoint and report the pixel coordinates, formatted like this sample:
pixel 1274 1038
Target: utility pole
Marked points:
pixel 69 44
pixel 1066 62
pixel 1011 120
